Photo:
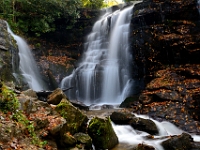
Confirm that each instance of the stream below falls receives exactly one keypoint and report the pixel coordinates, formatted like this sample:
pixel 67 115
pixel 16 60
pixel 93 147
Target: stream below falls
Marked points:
pixel 129 138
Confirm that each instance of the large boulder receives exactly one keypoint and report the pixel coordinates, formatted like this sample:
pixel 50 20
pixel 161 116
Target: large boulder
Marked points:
pixel 121 118
pixel 146 125
pixel 102 133
pixel 138 123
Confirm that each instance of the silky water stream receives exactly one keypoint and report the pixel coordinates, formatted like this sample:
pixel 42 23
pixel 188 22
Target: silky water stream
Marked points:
pixel 129 138
pixel 27 65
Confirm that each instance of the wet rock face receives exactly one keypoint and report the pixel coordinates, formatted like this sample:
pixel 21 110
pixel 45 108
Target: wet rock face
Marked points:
pixel 164 33
pixel 174 97
pixel 9 59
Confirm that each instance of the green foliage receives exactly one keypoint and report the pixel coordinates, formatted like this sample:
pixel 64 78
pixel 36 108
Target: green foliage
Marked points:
pixel 38 16
pixel 8 100
pixel 61 108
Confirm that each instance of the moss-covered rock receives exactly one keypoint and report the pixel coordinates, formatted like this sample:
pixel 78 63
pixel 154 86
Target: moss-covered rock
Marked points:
pixel 102 133
pixel 76 120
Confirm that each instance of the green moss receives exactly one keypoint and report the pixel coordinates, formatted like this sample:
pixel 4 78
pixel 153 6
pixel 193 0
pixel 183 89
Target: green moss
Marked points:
pixel 62 108
pixel 74 117
pixel 102 133
pixel 8 100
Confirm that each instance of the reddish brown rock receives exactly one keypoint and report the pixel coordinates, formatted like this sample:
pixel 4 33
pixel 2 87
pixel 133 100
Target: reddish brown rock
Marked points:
pixel 56 97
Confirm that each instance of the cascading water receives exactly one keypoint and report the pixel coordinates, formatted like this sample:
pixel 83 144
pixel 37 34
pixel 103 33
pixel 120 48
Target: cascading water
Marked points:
pixel 116 74
pixel 103 74
pixel 127 135
pixel 27 64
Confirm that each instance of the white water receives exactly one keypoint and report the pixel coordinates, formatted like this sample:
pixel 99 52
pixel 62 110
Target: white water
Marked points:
pixel 102 76
pixel 27 65
pixel 127 135
pixel 118 53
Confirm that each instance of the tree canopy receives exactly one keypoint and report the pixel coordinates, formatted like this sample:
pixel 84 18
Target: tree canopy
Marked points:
pixel 38 16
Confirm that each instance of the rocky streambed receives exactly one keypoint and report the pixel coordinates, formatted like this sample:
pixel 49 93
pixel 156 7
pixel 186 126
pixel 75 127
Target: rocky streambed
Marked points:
pixel 58 124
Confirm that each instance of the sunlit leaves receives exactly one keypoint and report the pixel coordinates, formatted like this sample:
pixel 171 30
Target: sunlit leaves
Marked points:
pixel 94 4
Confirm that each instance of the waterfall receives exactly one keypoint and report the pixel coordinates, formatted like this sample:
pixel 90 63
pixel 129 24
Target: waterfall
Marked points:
pixel 102 76
pixel 27 64
pixel 116 74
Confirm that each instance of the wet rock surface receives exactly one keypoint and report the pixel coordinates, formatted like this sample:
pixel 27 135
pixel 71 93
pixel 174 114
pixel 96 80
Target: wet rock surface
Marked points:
pixel 9 59
pixel 181 142
pixel 172 97
pixel 165 47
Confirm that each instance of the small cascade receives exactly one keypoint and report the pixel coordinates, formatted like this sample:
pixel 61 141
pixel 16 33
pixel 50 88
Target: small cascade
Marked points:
pixel 131 138
pixel 102 76
pixel 27 64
